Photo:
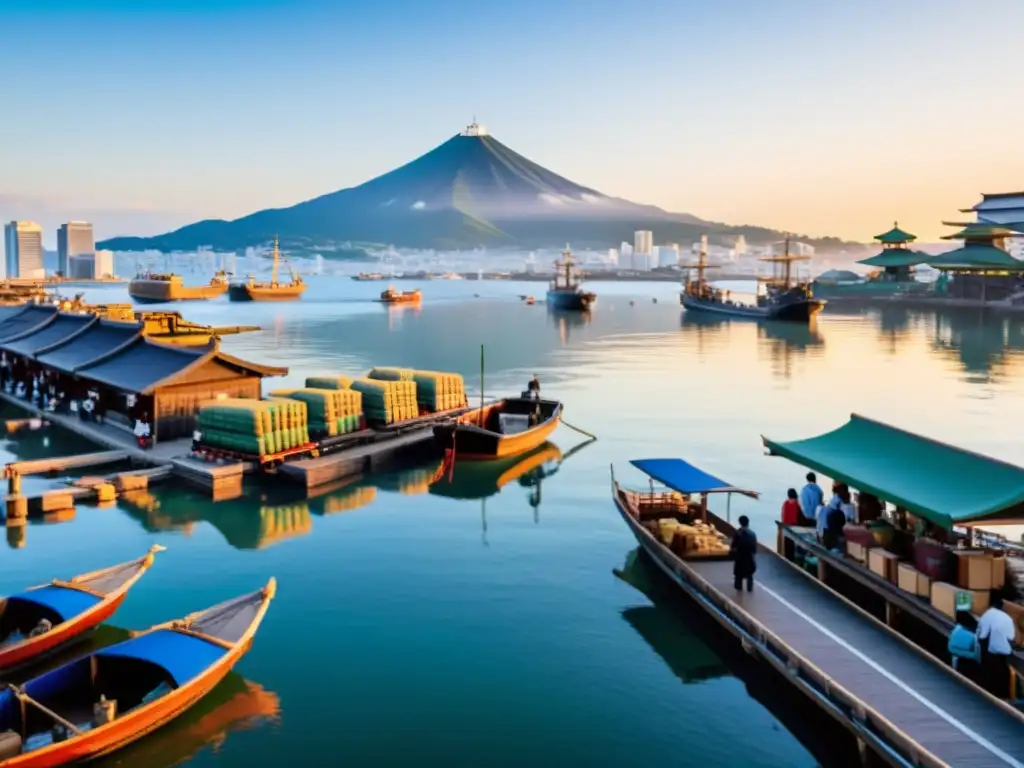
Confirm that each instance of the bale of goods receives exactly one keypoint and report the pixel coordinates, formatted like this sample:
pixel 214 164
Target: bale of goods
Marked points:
pixel 386 401
pixel 281 392
pixel 437 391
pixel 331 411
pixel 391 374
pixel 328 382
pixel 253 427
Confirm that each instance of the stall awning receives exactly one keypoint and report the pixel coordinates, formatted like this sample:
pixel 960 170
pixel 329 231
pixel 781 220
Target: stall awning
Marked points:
pixel 684 477
pixel 942 483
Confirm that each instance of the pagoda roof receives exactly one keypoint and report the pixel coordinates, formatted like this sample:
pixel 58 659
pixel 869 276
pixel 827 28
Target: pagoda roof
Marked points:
pixel 977 256
pixel 896 257
pixel 976 231
pixel 895 236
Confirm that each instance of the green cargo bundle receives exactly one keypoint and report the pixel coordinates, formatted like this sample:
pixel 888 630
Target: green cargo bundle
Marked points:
pixel 331 411
pixel 328 382
pixel 391 374
pixel 281 392
pixel 386 402
pixel 436 391
pixel 254 427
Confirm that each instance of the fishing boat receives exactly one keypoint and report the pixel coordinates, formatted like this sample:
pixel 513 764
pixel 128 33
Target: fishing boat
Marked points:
pixel 155 288
pixel 565 290
pixel 251 290
pixel 366 276
pixel 501 429
pixel 109 698
pixel 71 609
pixel 782 298
pixel 394 296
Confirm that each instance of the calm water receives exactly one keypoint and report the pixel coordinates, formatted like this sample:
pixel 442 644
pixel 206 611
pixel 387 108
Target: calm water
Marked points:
pixel 478 625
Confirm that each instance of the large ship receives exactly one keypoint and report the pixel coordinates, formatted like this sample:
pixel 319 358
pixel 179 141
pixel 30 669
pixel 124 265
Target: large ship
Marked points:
pixel 251 290
pixel 154 288
pixel 565 290
pixel 782 298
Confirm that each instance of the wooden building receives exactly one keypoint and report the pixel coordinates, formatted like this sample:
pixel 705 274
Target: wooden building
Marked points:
pixel 981 269
pixel 897 260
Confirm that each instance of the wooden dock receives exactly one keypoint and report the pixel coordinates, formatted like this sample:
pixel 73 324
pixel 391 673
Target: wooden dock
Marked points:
pixel 371 457
pixel 222 480
pixel 903 705
pixel 64 463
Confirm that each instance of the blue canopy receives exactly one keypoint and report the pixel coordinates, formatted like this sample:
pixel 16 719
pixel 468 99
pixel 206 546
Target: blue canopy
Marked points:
pixel 686 478
pixel 183 656
pixel 63 601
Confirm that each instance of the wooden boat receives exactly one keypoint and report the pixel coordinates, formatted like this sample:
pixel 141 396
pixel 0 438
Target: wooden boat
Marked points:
pixel 272 291
pixel 152 288
pixel 73 608
pixel 478 435
pixel 139 685
pixel 395 296
pixel 566 289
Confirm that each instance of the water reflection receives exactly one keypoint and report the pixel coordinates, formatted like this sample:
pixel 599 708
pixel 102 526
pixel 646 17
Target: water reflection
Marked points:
pixel 17 529
pixel 565 320
pixel 785 343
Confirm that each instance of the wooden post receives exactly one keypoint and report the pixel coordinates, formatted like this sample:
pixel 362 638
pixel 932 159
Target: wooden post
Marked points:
pixel 704 508
pixel 891 612
pixel 13 482
pixel 156 411
pixel 822 570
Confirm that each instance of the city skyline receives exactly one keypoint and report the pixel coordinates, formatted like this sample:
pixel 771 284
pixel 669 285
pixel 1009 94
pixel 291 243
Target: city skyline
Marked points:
pixel 837 131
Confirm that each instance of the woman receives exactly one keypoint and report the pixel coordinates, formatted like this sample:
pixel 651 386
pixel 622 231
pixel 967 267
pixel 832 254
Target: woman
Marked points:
pixel 791 514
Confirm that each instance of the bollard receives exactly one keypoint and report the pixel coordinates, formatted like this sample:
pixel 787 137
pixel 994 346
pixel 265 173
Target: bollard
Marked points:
pixel 16 509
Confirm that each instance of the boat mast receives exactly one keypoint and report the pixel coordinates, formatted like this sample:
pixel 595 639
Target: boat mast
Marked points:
pixel 273 274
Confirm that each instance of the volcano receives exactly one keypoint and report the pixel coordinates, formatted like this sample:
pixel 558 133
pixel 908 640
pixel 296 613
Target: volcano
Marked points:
pixel 470 191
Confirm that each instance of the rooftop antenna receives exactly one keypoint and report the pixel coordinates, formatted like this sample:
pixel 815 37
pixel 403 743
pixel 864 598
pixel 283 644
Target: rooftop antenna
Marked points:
pixel 474 129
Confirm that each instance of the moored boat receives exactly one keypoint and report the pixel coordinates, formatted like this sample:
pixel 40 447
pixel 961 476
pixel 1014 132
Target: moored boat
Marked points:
pixel 565 290
pixel 154 288
pixel 394 296
pixel 366 276
pixel 65 610
pixel 501 429
pixel 111 697
pixel 251 290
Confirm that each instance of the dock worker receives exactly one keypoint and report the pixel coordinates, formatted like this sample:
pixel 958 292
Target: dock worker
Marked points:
pixel 534 387
pixel 744 550
pixel 995 635
pixel 142 430
pixel 811 497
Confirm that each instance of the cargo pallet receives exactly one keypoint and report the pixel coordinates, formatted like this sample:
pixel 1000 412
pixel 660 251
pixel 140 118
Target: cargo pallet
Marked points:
pixel 267 461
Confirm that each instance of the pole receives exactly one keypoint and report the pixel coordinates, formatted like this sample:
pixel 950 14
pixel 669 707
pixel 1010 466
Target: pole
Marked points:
pixel 481 386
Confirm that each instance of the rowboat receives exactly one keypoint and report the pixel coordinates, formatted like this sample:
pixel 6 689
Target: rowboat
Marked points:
pixel 501 429
pixel 72 608
pixel 111 697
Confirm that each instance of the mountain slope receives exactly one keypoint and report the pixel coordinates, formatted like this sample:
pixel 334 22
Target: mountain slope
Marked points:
pixel 471 190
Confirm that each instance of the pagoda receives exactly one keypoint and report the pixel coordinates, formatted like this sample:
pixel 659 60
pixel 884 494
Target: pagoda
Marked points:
pixel 981 268
pixel 897 260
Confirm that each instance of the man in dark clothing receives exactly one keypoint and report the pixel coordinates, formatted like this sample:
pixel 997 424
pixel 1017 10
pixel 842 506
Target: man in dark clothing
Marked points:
pixel 835 521
pixel 743 550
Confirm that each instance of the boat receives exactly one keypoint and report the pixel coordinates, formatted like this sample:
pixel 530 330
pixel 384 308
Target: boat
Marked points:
pixel 251 290
pixel 782 299
pixel 394 296
pixel 480 480
pixel 73 608
pixel 157 288
pixel 368 276
pixel 500 429
pixel 111 697
pixel 529 301
pixel 565 290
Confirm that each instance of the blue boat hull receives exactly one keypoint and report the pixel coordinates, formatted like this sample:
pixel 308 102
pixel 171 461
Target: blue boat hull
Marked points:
pixel 577 300
pixel 796 311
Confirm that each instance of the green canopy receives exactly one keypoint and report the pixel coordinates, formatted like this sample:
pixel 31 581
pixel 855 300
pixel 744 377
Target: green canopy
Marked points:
pixel 977 256
pixel 896 257
pixel 946 485
pixel 895 236
pixel 979 231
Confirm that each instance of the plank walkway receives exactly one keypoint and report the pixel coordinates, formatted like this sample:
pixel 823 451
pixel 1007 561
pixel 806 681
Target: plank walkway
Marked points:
pixel 939 711
pixel 311 473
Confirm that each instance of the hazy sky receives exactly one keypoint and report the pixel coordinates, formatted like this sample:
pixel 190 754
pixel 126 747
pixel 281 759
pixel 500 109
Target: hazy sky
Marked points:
pixel 814 116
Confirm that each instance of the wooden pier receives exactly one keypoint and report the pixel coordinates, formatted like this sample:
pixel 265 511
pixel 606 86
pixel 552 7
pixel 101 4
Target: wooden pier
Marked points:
pixel 64 463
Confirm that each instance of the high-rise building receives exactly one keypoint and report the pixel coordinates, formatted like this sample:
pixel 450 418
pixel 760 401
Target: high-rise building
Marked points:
pixel 102 264
pixel 73 239
pixel 668 255
pixel 23 245
pixel 643 242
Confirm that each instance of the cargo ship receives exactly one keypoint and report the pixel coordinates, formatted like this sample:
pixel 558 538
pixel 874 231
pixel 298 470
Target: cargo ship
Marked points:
pixel 565 291
pixel 394 296
pixel 251 290
pixel 153 288
pixel 368 276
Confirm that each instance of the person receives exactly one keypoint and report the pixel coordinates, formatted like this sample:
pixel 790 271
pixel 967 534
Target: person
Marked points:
pixel 142 431
pixel 791 513
pixel 831 520
pixel 811 496
pixel 534 387
pixel 88 405
pixel 743 550
pixel 995 635
pixel 846 503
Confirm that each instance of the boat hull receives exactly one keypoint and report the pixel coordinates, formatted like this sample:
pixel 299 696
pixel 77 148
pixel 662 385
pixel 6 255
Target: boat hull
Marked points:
pixel 163 292
pixel 575 300
pixel 245 293
pixel 475 443
pixel 794 312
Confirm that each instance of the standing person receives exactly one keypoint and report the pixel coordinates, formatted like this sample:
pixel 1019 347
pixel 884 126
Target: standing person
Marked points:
pixel 846 504
pixel 811 497
pixel 791 509
pixel 995 635
pixel 534 387
pixel 743 551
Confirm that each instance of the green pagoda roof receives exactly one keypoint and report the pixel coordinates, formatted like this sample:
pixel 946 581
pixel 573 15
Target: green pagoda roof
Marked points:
pixel 944 484
pixel 896 257
pixel 980 232
pixel 977 256
pixel 895 236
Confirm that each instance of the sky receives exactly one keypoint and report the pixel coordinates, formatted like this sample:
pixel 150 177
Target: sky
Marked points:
pixel 814 117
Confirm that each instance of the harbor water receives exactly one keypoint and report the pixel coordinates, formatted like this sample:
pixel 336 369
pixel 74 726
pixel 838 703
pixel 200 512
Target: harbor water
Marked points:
pixel 506 620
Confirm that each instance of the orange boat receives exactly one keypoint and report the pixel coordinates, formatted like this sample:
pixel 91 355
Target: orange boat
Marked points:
pixel 395 296
pixel 69 609
pixel 505 428
pixel 111 697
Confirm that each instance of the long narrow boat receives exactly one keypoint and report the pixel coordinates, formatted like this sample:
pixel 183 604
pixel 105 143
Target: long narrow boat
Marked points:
pixel 72 608
pixel 111 697
pixel 501 429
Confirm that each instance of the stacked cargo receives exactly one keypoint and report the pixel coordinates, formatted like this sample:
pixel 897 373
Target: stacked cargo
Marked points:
pixel 387 402
pixel 435 391
pixel 328 382
pixel 253 427
pixel 331 412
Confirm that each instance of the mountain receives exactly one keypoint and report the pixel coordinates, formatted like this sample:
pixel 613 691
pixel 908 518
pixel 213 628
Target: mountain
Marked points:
pixel 472 190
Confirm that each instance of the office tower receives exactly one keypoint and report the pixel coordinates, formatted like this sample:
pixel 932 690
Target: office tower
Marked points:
pixel 73 239
pixel 23 242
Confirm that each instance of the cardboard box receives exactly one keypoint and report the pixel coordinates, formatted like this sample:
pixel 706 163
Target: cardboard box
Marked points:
pixel 906 575
pixel 974 570
pixel 998 572
pixel 883 563
pixel 980 599
pixel 856 551
pixel 1016 611
pixel 945 597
